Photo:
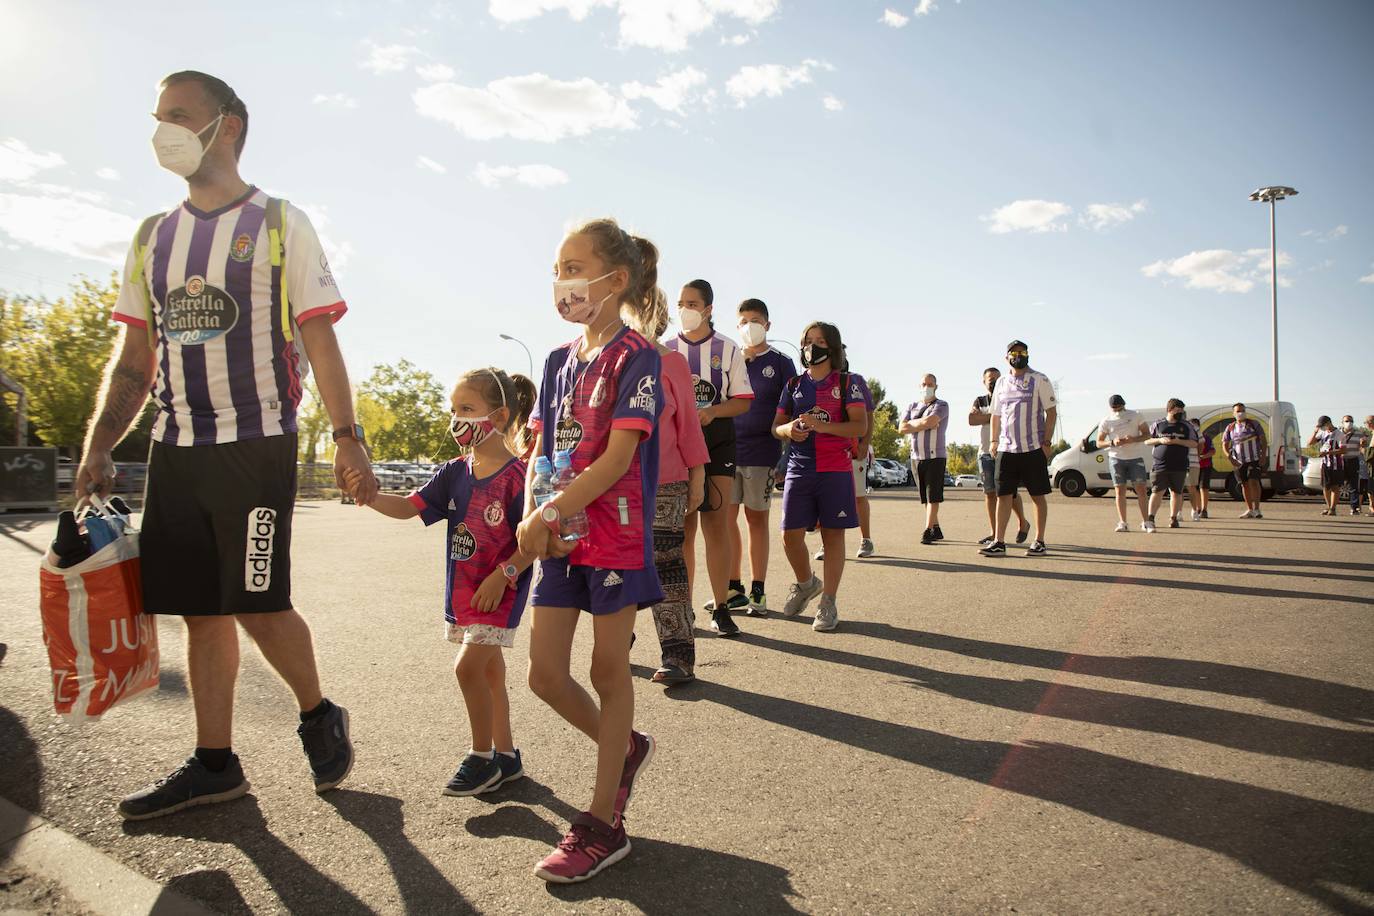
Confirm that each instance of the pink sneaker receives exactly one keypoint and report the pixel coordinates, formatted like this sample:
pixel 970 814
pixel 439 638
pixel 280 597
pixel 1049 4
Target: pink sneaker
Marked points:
pixel 635 762
pixel 590 846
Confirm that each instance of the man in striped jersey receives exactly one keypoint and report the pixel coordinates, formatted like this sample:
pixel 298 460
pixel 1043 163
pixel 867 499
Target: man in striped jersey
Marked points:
pixel 223 299
pixel 925 421
pixel 1246 447
pixel 1023 416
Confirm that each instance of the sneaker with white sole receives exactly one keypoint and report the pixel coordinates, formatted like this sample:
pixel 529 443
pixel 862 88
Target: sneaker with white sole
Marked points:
pixel 865 549
pixel 1122 526
pixel 188 785
pixel 590 846
pixel 800 595
pixel 475 775
pixel 1147 527
pixel 827 615
pixel 1257 514
pixel 758 604
pixel 820 555
pixel 1248 513
pixel 1197 516
pixel 995 549
pixel 1036 550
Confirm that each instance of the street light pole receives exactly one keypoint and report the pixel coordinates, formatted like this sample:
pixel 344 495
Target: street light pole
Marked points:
pixel 528 355
pixel 1272 195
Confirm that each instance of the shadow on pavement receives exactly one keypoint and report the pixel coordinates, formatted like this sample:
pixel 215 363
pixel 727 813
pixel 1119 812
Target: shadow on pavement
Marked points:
pixel 423 887
pixel 213 887
pixel 1235 560
pixel 1203 562
pixel 11 529
pixel 21 767
pixel 300 886
pixel 1222 727
pixel 1352 705
pixel 1314 847
pixel 1015 569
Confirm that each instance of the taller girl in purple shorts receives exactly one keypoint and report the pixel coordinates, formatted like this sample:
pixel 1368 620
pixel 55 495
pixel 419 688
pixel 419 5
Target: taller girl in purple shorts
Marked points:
pixel 820 414
pixel 600 399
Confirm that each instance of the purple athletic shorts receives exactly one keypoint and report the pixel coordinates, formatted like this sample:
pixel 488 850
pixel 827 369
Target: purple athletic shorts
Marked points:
pixel 598 591
pixel 824 499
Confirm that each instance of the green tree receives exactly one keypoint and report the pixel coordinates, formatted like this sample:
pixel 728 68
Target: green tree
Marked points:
pixel 58 352
pixel 313 427
pixel 405 412
pixel 887 442
pixel 962 459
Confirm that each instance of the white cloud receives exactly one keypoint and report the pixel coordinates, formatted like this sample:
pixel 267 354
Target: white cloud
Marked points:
pixel 534 176
pixel 1219 269
pixel 435 73
pixel 1105 216
pixel 1108 357
pixel 894 19
pixel 736 41
pixel 20 163
pixel 1367 278
pixel 770 80
pixel 671 92
pixel 341 100
pixel 107 174
pixel 532 107
pixel 831 103
pixel 1328 236
pixel 1030 216
pixel 338 253
pixel 665 25
pixel 926 7
pixel 389 58
pixel 69 224
pixel 425 162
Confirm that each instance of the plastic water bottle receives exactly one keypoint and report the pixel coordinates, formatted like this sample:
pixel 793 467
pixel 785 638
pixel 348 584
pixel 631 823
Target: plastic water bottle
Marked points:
pixel 542 488
pixel 575 526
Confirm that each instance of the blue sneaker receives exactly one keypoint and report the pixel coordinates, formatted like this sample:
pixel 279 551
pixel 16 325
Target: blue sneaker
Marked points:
pixel 328 747
pixel 475 775
pixel 512 767
pixel 188 785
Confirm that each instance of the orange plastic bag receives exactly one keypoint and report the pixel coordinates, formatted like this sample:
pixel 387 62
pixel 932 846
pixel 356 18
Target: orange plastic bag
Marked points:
pixel 102 648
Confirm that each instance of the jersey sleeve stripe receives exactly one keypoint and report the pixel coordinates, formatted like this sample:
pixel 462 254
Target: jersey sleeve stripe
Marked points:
pixel 416 500
pixel 336 310
pixel 638 423
pixel 130 320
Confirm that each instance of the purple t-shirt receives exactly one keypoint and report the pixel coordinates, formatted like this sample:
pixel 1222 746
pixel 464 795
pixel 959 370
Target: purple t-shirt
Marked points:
pixel 928 443
pixel 755 444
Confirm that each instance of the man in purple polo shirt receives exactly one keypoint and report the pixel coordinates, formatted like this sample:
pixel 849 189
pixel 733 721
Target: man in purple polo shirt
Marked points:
pixel 1246 447
pixel 926 421
pixel 756 455
pixel 1023 416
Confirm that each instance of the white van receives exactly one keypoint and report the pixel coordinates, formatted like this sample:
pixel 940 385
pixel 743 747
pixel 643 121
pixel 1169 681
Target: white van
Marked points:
pixel 1084 467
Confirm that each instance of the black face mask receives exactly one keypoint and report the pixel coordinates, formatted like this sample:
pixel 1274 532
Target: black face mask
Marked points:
pixel 1019 362
pixel 1175 417
pixel 814 355
pixel 991 385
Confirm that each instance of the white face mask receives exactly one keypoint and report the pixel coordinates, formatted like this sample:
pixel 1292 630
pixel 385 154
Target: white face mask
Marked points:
pixel 752 333
pixel 928 393
pixel 690 319
pixel 178 149
pixel 573 299
pixel 1347 425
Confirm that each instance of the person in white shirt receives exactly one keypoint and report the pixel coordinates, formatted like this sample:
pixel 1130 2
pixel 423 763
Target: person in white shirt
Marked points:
pixel 1122 433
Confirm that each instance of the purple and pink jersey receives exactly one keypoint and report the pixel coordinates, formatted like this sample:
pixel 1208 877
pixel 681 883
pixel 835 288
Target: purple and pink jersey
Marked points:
pixel 1021 404
pixel 755 444
pixel 579 404
pixel 226 368
pixel 482 516
pixel 1244 441
pixel 928 443
pixel 820 452
pixel 718 370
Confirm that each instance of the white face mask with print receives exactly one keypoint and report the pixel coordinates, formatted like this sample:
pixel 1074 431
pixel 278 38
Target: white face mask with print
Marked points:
pixel 178 149
pixel 928 393
pixel 690 319
pixel 573 299
pixel 752 333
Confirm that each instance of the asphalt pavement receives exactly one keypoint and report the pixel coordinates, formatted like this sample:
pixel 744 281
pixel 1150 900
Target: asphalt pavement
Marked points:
pixel 1180 722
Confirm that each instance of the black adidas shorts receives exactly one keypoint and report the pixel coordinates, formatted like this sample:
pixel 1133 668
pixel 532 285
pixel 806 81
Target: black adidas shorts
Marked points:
pixel 216 536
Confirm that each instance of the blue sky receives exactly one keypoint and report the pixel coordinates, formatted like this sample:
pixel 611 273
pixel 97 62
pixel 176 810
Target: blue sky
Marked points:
pixel 936 178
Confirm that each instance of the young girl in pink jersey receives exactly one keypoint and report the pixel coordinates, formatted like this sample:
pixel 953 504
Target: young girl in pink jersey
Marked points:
pixel 482 496
pixel 600 400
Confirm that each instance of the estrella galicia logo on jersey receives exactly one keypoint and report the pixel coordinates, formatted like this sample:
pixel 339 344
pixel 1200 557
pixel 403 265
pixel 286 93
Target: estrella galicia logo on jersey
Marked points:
pixel 261 541
pixel 819 413
pixel 769 372
pixel 643 398
pixel 464 544
pixel 242 249
pixel 568 435
pixel 198 312
pixel 494 514
pixel 705 391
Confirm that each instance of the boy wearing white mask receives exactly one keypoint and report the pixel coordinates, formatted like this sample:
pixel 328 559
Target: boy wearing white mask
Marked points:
pixel 756 452
pixel 219 329
pixel 723 393
pixel 925 421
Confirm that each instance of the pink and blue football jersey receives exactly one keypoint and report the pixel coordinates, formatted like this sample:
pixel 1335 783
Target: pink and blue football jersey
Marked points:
pixel 820 451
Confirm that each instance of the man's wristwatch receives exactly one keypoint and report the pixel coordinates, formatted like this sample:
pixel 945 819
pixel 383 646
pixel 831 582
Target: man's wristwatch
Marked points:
pixel 553 518
pixel 512 574
pixel 350 432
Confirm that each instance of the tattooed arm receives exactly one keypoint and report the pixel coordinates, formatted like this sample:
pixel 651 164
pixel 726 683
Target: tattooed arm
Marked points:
pixel 128 379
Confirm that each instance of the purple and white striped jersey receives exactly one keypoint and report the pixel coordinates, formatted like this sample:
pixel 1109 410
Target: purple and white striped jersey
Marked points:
pixel 718 368
pixel 1021 404
pixel 226 370
pixel 1243 441
pixel 928 443
pixel 1331 446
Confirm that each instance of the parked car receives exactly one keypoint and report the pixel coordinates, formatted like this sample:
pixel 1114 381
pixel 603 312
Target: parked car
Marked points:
pixel 401 475
pixel 968 480
pixel 884 472
pixel 897 470
pixel 949 480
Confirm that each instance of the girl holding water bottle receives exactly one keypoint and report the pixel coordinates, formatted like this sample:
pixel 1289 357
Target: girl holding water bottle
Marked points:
pixel 599 403
pixel 482 497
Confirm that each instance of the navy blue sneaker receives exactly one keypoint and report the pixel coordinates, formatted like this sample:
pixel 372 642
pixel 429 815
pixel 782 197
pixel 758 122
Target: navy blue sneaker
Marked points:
pixel 475 775
pixel 512 767
pixel 188 785
pixel 326 743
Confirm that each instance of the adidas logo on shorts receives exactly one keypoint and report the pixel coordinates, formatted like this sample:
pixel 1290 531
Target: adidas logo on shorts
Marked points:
pixel 613 578
pixel 452 507
pixel 842 514
pixel 257 564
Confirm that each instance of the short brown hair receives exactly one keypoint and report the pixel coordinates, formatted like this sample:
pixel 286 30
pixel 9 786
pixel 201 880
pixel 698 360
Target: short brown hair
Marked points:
pixel 225 100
